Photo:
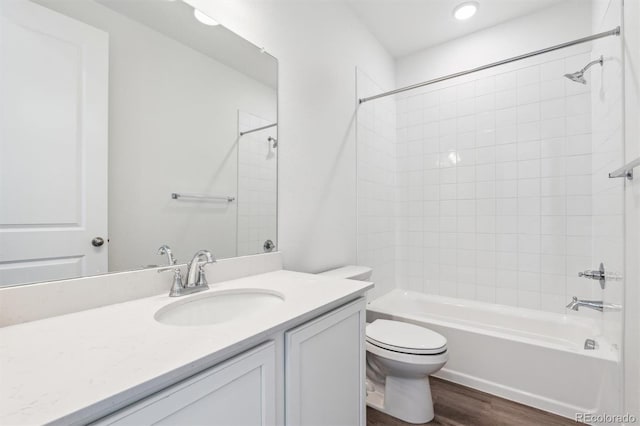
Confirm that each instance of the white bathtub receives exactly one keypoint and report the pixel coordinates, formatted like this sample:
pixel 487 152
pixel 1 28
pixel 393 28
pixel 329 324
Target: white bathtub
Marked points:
pixel 532 357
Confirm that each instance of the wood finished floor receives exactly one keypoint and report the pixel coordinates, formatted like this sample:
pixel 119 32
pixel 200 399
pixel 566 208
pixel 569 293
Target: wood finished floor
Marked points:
pixel 457 405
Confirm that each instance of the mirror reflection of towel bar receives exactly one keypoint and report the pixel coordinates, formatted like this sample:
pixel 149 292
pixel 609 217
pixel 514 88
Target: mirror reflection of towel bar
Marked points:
pixel 176 196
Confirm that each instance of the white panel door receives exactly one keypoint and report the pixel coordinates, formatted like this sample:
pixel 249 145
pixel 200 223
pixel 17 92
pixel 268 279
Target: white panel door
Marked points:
pixel 53 145
pixel 238 392
pixel 325 369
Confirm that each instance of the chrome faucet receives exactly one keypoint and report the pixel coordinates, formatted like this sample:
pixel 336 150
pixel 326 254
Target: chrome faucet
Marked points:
pixel 598 305
pixel 165 250
pixel 196 276
pixel 196 279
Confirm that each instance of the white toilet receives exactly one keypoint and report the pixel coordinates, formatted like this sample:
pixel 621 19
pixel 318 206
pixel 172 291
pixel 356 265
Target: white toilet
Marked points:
pixel 400 358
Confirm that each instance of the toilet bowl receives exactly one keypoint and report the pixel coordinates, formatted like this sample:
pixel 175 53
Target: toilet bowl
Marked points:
pixel 400 358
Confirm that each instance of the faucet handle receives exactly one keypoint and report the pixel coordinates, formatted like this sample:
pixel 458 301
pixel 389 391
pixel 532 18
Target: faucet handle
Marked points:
pixel 178 286
pixel 202 277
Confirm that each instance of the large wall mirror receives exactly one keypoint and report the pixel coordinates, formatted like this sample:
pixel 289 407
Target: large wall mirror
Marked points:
pixel 126 125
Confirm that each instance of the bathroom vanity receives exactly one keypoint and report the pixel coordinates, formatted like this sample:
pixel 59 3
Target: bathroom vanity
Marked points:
pixel 285 363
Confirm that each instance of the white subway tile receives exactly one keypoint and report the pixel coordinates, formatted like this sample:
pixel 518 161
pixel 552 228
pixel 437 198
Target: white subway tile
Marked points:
pixel 485 190
pixel 505 81
pixel 552 89
pixel 507 99
pixel 506 170
pixel 551 70
pixel 507 296
pixel 506 135
pixel 529 281
pixel 552 167
pixel 486 85
pixel 485 138
pixel 529 187
pixel 528 94
pixel 554 108
pixel 529 169
pixel 485 103
pixel 529 225
pixel 506 242
pixel 529 150
pixel 550 148
pixel 506 189
pixel 506 117
pixel 578 124
pixel 505 153
pixel 485 121
pixel 528 113
pixel 507 225
pixel 552 128
pixel 466 140
pixel 578 165
pixel 529 299
pixel 579 144
pixel 553 186
pixel 485 207
pixel 579 225
pixel 484 172
pixel 579 185
pixel 528 131
pixel 553 225
pixel 506 278
pixel 528 75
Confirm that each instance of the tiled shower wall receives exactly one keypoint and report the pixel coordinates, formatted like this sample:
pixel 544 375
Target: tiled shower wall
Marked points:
pixel 494 185
pixel 257 185
pixel 376 130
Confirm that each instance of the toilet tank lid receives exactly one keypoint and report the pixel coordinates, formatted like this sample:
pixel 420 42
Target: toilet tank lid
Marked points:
pixel 403 335
pixel 351 272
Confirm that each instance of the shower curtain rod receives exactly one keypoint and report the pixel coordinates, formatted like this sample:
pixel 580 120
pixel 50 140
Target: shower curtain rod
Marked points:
pixel 615 31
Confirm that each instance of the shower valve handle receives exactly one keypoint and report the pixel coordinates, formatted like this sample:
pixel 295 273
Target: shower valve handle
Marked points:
pixel 598 275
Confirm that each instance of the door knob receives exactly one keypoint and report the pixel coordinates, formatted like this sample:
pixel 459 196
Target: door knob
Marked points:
pixel 97 241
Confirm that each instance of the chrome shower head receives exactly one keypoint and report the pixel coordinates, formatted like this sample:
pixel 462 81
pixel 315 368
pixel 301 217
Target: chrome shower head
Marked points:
pixel 578 76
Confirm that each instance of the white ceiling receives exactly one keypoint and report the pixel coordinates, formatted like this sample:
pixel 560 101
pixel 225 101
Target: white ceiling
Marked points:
pixel 407 26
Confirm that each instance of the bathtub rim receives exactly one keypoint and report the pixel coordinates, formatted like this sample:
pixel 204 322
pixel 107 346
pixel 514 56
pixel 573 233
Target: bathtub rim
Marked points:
pixel 606 350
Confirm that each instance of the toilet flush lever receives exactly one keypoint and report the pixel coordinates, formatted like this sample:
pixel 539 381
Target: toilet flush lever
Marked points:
pixel 598 275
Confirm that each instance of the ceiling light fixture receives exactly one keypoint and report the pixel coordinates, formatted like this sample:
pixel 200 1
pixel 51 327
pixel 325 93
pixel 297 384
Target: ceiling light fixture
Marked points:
pixel 201 17
pixel 465 10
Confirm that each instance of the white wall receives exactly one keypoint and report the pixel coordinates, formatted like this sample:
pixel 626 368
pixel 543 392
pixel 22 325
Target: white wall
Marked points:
pixel 318 45
pixel 377 184
pixel 631 31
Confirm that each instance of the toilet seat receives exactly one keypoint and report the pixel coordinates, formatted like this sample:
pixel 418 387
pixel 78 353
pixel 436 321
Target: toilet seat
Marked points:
pixel 405 338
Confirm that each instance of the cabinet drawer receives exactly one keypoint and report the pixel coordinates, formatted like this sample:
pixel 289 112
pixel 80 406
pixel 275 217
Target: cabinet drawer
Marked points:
pixel 239 391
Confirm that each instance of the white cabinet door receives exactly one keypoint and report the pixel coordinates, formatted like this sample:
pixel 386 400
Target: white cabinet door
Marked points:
pixel 325 369
pixel 53 145
pixel 238 392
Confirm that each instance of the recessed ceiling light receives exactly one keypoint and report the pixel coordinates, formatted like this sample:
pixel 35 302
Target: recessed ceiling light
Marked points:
pixel 465 10
pixel 204 18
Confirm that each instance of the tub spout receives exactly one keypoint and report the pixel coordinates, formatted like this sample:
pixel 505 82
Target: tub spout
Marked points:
pixel 598 305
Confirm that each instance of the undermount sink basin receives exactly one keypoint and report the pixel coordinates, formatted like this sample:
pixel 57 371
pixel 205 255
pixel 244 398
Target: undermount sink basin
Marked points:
pixel 218 307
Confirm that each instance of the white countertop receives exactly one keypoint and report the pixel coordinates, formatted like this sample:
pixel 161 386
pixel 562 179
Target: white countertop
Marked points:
pixel 72 368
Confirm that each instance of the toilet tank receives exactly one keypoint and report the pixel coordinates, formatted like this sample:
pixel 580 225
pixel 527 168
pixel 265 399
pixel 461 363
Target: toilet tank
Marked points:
pixel 352 272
